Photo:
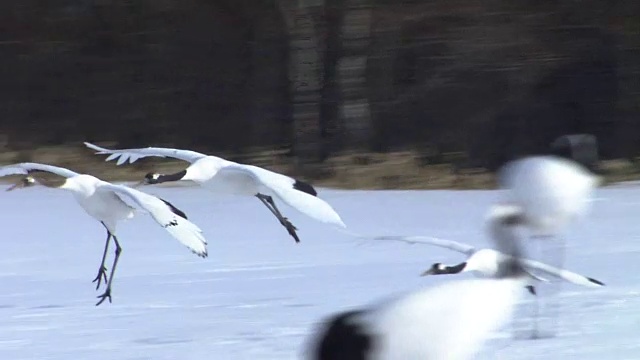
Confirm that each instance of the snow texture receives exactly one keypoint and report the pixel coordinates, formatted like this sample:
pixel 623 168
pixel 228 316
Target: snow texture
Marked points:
pixel 260 296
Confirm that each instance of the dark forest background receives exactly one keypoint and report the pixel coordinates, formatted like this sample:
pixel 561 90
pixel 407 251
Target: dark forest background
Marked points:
pixel 490 79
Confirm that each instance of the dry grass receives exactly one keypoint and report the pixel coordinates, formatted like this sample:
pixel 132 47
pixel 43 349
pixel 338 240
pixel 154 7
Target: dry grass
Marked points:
pixel 398 170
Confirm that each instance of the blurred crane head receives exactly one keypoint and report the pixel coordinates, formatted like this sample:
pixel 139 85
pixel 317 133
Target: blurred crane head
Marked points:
pixel 24 182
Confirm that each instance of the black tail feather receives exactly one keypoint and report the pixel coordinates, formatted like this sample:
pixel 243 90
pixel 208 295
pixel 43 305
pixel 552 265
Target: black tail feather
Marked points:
pixel 596 281
pixel 174 209
pixel 531 289
pixel 305 187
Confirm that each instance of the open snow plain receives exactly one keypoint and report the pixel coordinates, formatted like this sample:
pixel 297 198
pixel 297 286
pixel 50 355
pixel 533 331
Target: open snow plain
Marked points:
pixel 259 295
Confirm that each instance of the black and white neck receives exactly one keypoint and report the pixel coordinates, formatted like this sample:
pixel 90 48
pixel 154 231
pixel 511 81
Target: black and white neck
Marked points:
pixel 154 178
pixel 441 269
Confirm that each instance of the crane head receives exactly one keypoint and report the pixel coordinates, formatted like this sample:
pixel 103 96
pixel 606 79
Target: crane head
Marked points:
pixel 149 179
pixel 24 182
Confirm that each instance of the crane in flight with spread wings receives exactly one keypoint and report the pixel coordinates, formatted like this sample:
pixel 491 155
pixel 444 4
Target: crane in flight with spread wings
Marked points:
pixel 105 202
pixel 489 262
pixel 223 176
pixel 486 262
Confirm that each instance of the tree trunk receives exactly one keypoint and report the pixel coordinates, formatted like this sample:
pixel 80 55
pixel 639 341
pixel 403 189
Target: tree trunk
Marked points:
pixel 354 110
pixel 304 75
pixel 384 44
pixel 332 51
pixel 268 86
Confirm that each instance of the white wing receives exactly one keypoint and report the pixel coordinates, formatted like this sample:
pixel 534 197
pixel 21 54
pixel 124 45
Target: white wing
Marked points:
pixel 282 187
pixel 561 274
pixel 165 214
pixel 132 155
pixel 428 240
pixel 25 168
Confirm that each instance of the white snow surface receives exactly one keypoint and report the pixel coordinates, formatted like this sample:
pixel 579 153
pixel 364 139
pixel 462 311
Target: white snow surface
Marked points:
pixel 260 296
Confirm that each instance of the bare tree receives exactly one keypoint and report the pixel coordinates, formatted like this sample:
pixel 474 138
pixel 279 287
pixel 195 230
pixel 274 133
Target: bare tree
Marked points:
pixel 354 110
pixel 305 77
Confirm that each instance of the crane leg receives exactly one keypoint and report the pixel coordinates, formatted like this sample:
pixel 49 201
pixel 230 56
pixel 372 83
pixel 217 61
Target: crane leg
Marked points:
pixel 107 293
pixel 102 271
pixel 268 202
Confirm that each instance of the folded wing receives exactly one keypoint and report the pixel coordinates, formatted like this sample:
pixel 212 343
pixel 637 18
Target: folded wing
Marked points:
pixel 133 155
pixel 167 215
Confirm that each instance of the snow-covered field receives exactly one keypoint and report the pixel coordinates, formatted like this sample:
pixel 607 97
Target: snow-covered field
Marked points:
pixel 259 295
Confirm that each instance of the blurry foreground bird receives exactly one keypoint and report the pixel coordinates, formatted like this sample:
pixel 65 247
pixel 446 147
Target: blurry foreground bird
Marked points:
pixel 450 321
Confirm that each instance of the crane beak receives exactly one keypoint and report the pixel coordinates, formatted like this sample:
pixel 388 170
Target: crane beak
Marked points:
pixel 22 183
pixel 138 184
pixel 17 185
pixel 427 273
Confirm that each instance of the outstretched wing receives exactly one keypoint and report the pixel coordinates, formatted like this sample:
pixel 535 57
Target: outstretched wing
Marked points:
pixel 133 155
pixel 167 215
pixel 429 240
pixel 567 275
pixel 26 168
pixel 288 190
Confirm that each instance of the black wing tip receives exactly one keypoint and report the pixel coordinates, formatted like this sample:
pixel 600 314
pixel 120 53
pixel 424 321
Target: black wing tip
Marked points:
pixel 174 209
pixel 305 187
pixel 595 281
